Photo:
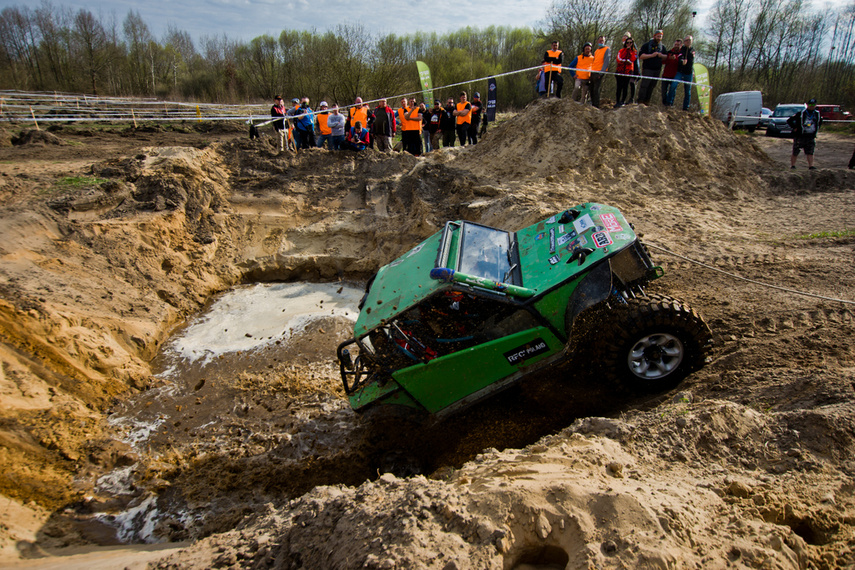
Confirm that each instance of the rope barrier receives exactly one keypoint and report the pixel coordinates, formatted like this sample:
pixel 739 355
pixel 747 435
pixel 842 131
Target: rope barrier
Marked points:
pixel 247 112
pixel 735 276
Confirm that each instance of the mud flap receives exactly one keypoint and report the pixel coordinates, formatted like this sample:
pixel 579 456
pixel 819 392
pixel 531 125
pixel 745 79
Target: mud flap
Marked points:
pixel 594 288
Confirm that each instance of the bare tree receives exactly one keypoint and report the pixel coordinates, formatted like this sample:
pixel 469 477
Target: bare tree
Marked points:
pixel 91 43
pixel 574 23
pixel 138 38
pixel 673 17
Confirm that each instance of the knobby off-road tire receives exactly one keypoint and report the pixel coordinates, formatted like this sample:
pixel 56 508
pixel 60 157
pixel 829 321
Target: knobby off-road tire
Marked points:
pixel 392 436
pixel 652 343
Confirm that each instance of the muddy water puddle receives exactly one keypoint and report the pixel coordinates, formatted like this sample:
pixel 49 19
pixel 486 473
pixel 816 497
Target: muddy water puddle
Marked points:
pixel 249 393
pixel 266 340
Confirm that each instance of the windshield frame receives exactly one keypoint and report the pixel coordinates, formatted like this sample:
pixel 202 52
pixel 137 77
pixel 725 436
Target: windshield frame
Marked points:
pixel 489 253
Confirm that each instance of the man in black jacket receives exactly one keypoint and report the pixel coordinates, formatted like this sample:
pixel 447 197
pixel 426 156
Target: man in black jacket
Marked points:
pixel 805 125
pixel 447 124
pixel 651 55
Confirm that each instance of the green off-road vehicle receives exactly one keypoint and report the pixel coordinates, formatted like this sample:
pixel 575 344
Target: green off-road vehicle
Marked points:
pixel 472 309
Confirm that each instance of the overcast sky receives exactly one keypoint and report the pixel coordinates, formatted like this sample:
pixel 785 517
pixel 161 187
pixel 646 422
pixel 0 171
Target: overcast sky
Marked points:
pixel 247 19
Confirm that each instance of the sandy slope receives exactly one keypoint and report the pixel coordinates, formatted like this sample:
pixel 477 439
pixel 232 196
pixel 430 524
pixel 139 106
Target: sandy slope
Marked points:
pixel 747 464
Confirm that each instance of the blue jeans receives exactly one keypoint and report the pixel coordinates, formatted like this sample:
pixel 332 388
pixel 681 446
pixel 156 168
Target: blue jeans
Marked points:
pixel 336 142
pixel 687 93
pixel 323 138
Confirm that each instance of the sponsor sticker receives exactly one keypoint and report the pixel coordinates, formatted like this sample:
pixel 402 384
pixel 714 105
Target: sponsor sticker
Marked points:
pixel 551 220
pixel 577 243
pixel 539 236
pixel 416 249
pixel 596 207
pixel 565 238
pixel 551 240
pixel 560 228
pixel 584 223
pixel 554 259
pixel 602 239
pixel 611 223
pixel 531 349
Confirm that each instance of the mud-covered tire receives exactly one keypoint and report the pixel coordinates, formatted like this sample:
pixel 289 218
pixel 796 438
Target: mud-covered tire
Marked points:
pixel 652 343
pixel 393 433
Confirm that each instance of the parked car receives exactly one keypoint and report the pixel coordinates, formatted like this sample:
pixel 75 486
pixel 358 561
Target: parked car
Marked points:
pixel 740 109
pixel 765 114
pixel 778 126
pixel 833 113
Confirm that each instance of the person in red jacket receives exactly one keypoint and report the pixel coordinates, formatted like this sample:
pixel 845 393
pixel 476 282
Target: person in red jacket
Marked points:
pixel 669 71
pixel 626 58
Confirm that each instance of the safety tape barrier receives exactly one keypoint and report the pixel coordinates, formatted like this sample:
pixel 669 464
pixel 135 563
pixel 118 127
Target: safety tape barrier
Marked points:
pixel 242 112
pixel 167 111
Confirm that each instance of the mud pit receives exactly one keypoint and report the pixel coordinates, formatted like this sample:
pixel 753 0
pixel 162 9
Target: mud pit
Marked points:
pixel 747 463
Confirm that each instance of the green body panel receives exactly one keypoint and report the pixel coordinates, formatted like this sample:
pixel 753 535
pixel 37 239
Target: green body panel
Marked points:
pixel 400 285
pixel 389 393
pixel 553 305
pixel 445 380
pixel 545 247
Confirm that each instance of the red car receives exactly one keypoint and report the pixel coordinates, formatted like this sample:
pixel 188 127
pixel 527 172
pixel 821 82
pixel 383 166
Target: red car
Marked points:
pixel 833 113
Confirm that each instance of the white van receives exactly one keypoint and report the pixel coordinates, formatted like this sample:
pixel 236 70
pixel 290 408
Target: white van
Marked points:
pixel 740 109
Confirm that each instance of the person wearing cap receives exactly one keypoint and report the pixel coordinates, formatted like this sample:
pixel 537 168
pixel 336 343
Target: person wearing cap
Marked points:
pixel 602 57
pixel 477 109
pixel 626 62
pixel 580 68
pixel 433 123
pixel 552 60
pixel 321 122
pixel 651 54
pixel 805 125
pixel 685 73
pixel 447 123
pixel 383 126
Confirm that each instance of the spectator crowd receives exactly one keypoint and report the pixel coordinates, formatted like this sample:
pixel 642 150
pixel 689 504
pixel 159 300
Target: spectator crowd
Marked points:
pixel 424 128
pixel 421 129
pixel 645 67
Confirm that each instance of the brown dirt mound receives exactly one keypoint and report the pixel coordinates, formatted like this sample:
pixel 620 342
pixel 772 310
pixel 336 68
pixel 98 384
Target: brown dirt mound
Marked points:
pixel 93 282
pixel 36 137
pixel 636 149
